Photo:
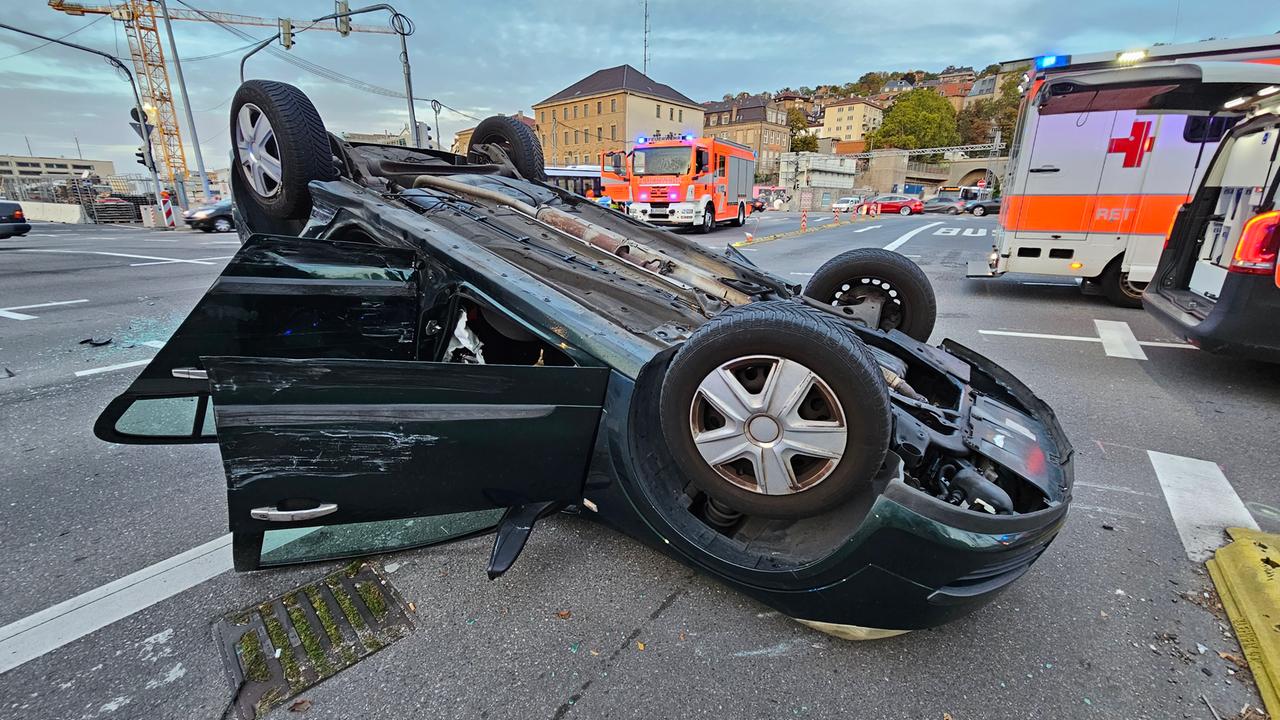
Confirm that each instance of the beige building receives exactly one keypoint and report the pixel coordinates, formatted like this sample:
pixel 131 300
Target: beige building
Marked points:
pixel 29 166
pixel 850 119
pixel 462 138
pixel 608 110
pixel 756 121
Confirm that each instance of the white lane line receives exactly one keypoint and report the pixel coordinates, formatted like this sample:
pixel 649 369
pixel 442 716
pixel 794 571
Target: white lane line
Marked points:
pixel 123 255
pixel 1040 336
pixel 221 242
pixel 110 368
pixel 160 240
pixel 5 312
pixel 869 227
pixel 803 274
pixel 1179 345
pixel 1201 500
pixel 49 629
pixel 1118 340
pixel 170 261
pixel 903 238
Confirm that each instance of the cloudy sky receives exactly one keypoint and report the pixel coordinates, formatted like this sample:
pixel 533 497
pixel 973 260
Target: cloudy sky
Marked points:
pixel 490 57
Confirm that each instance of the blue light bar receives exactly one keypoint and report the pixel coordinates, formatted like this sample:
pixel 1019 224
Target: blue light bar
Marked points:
pixel 687 137
pixel 642 140
pixel 1045 62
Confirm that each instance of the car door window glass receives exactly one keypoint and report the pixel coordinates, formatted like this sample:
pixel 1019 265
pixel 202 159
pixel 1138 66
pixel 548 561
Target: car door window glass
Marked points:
pixel 310 544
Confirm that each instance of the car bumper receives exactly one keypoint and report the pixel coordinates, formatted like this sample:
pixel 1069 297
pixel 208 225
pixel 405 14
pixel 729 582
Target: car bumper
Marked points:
pixel 1240 323
pixel 11 229
pixel 673 214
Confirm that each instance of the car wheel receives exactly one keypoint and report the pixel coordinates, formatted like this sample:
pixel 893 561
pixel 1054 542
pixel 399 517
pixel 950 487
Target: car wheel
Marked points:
pixel 776 411
pixel 879 289
pixel 279 146
pixel 708 220
pixel 516 139
pixel 742 216
pixel 953 211
pixel 979 210
pixel 904 211
pixel 1119 289
pixel 222 225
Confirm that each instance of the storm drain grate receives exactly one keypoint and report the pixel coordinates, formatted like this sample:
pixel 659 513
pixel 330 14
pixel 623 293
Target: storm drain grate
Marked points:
pixel 277 649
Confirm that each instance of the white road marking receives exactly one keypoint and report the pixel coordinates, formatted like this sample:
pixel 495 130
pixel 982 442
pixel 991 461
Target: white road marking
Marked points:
pixel 123 255
pixel 70 620
pixel 5 312
pixel 170 261
pixel 869 227
pixel 803 274
pixel 904 237
pixel 49 629
pixel 111 368
pixel 221 242
pixel 1118 340
pixel 1201 500
pixel 160 240
pixel 1085 338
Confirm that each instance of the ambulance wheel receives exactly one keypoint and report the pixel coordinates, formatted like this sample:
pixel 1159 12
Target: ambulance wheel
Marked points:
pixel 776 410
pixel 1119 289
pixel 879 289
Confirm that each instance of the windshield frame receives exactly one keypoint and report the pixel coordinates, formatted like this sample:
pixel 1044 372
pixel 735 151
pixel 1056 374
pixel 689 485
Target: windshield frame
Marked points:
pixel 662 152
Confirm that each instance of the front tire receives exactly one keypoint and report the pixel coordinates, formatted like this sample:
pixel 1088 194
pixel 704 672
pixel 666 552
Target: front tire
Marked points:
pixel 858 281
pixel 904 211
pixel 1118 289
pixel 279 146
pixel 708 220
pixel 776 411
pixel 979 210
pixel 222 225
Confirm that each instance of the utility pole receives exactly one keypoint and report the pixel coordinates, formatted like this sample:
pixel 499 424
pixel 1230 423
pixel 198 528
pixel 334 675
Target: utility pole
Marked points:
pixel 645 61
pixel 78 153
pixel 24 137
pixel 186 102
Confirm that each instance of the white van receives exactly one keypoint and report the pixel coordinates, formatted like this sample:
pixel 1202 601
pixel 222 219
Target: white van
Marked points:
pixel 1101 162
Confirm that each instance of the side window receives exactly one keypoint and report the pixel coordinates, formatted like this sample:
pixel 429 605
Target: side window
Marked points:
pixel 720 166
pixel 1204 129
pixel 704 163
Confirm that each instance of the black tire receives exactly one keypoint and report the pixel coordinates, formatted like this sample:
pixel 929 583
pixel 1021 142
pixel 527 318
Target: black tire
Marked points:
pixel 708 220
pixel 517 139
pixel 787 330
pixel 953 211
pixel 207 229
pixel 1117 288
pixel 223 225
pixel 742 216
pixel 301 144
pixel 979 210
pixel 914 307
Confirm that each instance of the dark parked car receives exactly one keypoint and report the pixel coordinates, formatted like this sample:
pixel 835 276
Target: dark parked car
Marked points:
pixel 1216 284
pixel 211 218
pixel 983 207
pixel 900 204
pixel 13 222
pixel 409 333
pixel 947 205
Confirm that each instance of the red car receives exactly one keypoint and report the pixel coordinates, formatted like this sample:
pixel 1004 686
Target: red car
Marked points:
pixel 901 204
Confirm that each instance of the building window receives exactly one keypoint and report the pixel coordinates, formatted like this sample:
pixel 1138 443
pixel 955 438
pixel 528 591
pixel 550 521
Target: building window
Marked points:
pixel 566 137
pixel 28 164
pixel 553 113
pixel 576 137
pixel 680 115
pixel 575 112
pixel 599 107
pixel 613 132
pixel 613 104
pixel 671 113
pixel 599 133
pixel 658 111
pixel 542 116
pixel 584 109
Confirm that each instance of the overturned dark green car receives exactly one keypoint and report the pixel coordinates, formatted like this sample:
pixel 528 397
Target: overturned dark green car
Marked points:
pixel 414 346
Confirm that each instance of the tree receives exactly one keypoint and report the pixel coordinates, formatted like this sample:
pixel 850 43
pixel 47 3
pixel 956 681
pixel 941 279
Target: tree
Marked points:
pixel 991 69
pixel 804 142
pixel 918 119
pixel 870 83
pixel 797 120
pixel 975 122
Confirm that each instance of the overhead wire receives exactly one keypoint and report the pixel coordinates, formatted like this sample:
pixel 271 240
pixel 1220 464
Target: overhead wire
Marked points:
pixel 47 43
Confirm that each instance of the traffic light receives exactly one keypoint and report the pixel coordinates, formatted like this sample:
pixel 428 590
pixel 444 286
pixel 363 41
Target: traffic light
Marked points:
pixel 144 158
pixel 286 33
pixel 343 21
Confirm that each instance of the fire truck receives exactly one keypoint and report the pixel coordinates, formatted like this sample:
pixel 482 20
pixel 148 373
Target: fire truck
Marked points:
pixel 684 180
pixel 1107 148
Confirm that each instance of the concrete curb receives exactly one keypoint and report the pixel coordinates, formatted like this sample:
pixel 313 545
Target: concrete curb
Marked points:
pixel 797 233
pixel 1247 576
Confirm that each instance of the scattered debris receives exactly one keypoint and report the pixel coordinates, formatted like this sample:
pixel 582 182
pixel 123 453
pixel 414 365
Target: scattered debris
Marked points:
pixel 95 342
pixel 564 614
pixel 1233 659
pixel 1201 649
pixel 1121 592
pixel 1204 699
pixel 1107 526
pixel 7 374
pixel 640 646
pixel 300 706
pixel 947 716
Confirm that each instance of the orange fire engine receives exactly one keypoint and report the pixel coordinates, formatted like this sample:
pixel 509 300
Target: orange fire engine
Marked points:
pixel 683 180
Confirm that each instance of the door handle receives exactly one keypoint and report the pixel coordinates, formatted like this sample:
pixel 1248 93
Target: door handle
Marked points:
pixel 270 514
pixel 190 373
pixel 1044 169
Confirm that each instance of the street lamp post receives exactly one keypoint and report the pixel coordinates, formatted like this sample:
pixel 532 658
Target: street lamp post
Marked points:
pixel 403 27
pixel 137 99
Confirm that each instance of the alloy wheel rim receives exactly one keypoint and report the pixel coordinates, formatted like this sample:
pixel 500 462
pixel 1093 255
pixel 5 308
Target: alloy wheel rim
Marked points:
pixel 258 151
pixel 221 225
pixel 768 425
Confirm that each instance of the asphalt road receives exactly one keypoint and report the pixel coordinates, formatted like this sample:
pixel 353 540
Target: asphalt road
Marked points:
pixel 1105 625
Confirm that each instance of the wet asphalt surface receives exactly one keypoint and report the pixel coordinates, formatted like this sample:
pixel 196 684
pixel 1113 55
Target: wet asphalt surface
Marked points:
pixel 1105 625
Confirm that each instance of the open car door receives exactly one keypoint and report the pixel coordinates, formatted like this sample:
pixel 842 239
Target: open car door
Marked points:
pixel 314 365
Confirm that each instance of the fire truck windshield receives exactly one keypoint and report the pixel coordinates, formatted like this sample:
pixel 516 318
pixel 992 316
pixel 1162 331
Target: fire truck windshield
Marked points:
pixel 662 160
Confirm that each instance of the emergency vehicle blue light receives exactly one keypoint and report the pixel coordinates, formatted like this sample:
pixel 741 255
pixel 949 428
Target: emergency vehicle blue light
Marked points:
pixel 688 137
pixel 1051 61
pixel 642 140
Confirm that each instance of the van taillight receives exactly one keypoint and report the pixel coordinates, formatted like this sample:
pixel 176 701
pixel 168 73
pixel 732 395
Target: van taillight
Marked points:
pixel 1259 242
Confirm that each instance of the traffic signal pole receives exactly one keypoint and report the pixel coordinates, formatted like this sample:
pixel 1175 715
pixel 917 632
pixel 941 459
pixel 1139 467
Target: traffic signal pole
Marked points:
pixel 186 102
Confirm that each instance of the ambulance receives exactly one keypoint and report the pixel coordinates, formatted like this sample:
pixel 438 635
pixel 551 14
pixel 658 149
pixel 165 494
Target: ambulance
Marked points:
pixel 1107 148
pixel 686 180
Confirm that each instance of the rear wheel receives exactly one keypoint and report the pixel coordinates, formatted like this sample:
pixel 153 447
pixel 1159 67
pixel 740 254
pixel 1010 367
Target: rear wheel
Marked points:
pixel 879 289
pixel 742 216
pixel 776 411
pixel 1119 289
pixel 905 210
pixel 222 225
pixel 979 210
pixel 279 147
pixel 516 139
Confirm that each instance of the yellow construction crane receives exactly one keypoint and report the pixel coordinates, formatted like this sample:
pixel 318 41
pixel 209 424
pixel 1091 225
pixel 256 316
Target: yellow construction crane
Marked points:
pixel 140 23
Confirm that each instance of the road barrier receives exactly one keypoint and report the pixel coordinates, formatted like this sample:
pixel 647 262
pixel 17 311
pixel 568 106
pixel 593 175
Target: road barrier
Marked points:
pixel 166 210
pixel 804 220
